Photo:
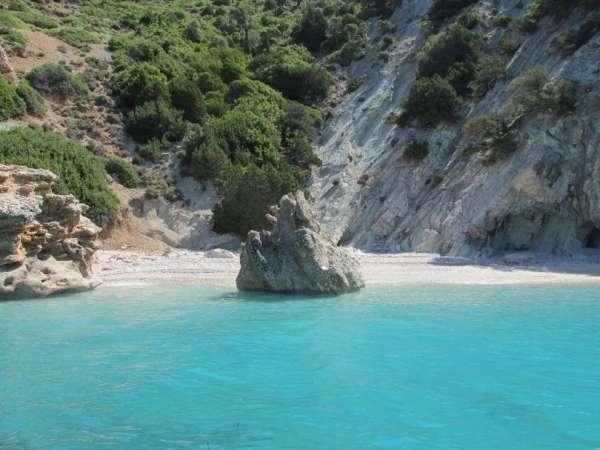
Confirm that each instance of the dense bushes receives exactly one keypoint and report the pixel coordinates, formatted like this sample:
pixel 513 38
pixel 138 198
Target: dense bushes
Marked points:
pixel 11 105
pixel 416 151
pixel 123 172
pixel 34 104
pixel 490 135
pixel 80 173
pixel 155 119
pixel 454 55
pixel 57 82
pixel 431 100
pixel 535 92
pixel 246 194
pixel 292 71
pixel 442 10
pixel 139 83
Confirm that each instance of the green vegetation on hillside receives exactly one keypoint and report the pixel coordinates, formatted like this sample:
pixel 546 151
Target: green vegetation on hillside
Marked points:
pixel 80 173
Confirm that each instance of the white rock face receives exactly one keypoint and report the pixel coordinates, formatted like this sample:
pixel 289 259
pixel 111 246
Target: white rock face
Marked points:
pixel 544 198
pixel 294 257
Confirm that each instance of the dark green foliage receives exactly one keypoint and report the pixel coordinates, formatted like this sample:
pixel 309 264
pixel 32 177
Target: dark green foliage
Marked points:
pixel 123 172
pixel 535 92
pixel 355 83
pixel 454 55
pixel 80 173
pixel 151 150
pixel 431 100
pixel 193 32
pixel 502 21
pixel 54 80
pixel 34 103
pixel 187 97
pixel 138 84
pixel 155 119
pixel 489 135
pixel 535 11
pixel 243 208
pixel 11 105
pixel 293 71
pixel 416 151
pixel 492 68
pixel 311 31
pixel 570 41
pixel 442 10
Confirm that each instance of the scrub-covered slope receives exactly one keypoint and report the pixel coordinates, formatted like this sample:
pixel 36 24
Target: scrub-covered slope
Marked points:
pixel 514 167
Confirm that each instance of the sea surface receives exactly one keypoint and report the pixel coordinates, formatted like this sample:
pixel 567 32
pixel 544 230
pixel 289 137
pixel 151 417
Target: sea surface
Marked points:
pixel 411 367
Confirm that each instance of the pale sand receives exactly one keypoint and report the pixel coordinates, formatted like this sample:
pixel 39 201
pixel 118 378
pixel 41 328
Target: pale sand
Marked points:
pixel 117 268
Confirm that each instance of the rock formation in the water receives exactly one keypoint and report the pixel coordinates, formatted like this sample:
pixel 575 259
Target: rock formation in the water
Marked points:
pixel 46 243
pixel 294 257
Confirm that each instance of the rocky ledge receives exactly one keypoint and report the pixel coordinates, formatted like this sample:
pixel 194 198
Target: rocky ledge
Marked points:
pixel 46 243
pixel 294 257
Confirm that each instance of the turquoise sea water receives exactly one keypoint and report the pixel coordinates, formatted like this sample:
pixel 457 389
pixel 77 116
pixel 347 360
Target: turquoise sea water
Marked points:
pixel 446 367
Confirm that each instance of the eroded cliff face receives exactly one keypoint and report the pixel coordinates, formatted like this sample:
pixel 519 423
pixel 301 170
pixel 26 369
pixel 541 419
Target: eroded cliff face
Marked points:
pixel 46 243
pixel 545 197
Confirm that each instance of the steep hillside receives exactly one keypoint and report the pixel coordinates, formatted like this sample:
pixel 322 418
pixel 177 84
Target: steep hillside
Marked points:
pixel 462 127
pixel 460 198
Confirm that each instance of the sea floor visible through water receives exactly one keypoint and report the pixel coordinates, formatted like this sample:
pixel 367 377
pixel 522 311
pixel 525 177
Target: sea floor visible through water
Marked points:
pixel 390 367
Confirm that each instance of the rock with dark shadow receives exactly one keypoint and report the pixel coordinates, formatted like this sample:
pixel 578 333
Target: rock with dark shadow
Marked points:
pixel 295 257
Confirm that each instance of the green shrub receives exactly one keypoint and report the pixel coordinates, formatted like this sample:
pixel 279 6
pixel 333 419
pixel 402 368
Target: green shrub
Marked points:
pixel 502 21
pixel 242 209
pixel 39 20
pixel 138 84
pixel 430 101
pixel 489 135
pixel 187 97
pixel 292 71
pixel 416 151
pixel 155 120
pixel 442 10
pixel 76 37
pixel 469 20
pixel 311 31
pixel 57 82
pixel 13 41
pixel 80 173
pixel 535 92
pixel 572 40
pixel 355 83
pixel 535 11
pixel 193 32
pixel 454 55
pixel 123 172
pixel 10 20
pixel 152 150
pixel 34 103
pixel 11 105
pixel 492 68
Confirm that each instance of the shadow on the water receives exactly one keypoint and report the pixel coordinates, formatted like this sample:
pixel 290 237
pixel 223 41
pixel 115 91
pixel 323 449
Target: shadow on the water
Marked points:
pixel 274 297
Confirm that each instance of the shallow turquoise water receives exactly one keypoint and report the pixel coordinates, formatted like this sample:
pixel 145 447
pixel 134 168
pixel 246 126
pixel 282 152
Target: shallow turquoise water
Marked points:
pixel 388 368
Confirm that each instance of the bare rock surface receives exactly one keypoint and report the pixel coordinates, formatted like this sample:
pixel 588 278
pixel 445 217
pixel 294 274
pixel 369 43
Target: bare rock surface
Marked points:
pixel 295 257
pixel 46 243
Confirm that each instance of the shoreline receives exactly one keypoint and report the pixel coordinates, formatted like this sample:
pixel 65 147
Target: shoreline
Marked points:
pixel 220 267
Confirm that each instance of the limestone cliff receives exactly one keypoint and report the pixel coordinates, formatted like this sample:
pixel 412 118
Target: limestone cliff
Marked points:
pixel 46 243
pixel 544 197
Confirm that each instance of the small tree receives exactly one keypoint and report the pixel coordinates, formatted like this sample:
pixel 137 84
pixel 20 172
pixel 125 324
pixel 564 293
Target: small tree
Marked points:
pixel 431 100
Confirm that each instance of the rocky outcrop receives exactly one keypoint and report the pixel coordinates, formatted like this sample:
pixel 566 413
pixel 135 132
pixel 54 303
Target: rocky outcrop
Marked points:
pixel 542 198
pixel 6 68
pixel 46 243
pixel 294 257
